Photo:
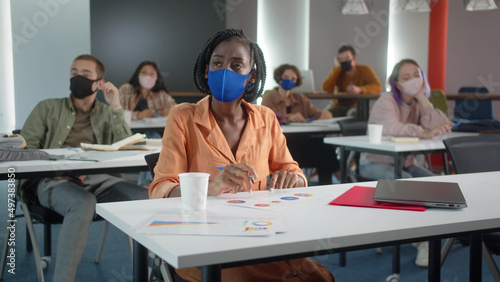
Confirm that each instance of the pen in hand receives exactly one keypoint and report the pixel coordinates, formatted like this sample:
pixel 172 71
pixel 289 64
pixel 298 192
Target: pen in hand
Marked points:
pixel 251 177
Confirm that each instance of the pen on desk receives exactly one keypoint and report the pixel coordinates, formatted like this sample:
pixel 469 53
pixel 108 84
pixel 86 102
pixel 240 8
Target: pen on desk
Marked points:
pixel 455 125
pixel 311 119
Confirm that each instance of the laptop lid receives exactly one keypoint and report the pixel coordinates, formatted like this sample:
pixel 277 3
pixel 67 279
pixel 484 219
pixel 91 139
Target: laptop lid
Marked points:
pixel 307 82
pixel 420 193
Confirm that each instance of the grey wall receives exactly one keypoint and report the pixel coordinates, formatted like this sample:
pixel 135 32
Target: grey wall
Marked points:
pixel 125 32
pixel 242 14
pixel 473 50
pixel 366 33
pixel 47 36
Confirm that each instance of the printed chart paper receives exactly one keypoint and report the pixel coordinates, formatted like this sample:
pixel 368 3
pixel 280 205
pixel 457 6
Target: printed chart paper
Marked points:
pixel 277 200
pixel 168 222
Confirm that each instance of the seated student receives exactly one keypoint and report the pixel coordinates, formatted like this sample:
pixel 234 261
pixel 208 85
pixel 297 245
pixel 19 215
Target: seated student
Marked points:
pixel 145 94
pixel 224 129
pixel 295 107
pixel 347 76
pixel 66 122
pixel 406 111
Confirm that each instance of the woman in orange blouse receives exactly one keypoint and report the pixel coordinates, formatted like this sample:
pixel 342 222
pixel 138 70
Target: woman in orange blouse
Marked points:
pixel 145 94
pixel 224 129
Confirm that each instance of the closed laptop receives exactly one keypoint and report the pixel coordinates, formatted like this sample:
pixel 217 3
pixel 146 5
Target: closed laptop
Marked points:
pixel 420 193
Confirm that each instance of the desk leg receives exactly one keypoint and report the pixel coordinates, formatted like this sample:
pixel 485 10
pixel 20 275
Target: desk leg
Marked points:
pixel 476 259
pixel 398 167
pixel 445 164
pixel 343 165
pixel 396 254
pixel 362 109
pixel 434 273
pixel 140 267
pixel 211 273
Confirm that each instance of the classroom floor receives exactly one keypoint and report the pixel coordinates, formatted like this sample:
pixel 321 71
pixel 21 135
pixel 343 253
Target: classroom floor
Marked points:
pixel 364 265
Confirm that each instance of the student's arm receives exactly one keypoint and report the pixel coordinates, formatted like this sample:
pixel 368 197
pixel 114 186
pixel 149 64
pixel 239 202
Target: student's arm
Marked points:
pixel 172 160
pixel 331 80
pixel 35 127
pixel 280 160
pixel 385 112
pixel 372 83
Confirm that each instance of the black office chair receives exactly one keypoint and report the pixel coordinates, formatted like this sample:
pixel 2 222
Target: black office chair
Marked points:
pixel 471 154
pixel 353 127
pixel 474 109
pixel 160 269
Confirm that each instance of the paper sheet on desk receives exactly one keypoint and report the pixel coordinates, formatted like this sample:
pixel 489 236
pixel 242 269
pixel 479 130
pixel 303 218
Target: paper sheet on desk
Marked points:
pixel 279 199
pixel 166 222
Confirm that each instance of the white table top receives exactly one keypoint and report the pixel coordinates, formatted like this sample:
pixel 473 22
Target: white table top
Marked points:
pixel 158 122
pixel 313 227
pixel 310 128
pixel 113 159
pixel 389 146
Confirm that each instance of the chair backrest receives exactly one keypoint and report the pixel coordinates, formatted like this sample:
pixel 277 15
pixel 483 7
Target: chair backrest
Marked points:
pixel 151 161
pixel 352 127
pixel 438 100
pixel 474 109
pixel 474 153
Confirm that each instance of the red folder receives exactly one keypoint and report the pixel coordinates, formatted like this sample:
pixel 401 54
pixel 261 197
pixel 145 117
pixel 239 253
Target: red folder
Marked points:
pixel 359 196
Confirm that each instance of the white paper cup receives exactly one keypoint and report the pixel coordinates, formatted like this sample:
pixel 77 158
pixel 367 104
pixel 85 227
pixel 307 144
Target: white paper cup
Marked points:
pixel 128 116
pixel 375 133
pixel 194 188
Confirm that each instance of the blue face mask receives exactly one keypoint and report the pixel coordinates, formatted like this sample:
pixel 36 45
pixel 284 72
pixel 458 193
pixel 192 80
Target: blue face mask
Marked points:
pixel 287 84
pixel 226 85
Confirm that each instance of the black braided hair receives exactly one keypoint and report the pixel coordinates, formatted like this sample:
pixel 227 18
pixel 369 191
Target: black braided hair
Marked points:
pixel 257 63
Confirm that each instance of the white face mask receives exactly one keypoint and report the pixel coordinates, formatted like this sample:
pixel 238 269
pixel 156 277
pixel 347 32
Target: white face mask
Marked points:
pixel 147 81
pixel 412 86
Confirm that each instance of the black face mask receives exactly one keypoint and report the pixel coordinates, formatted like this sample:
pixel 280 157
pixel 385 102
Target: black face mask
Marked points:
pixel 346 66
pixel 81 86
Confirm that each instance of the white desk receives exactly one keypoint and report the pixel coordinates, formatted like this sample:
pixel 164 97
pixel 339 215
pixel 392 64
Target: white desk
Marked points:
pixel 311 129
pixel 386 147
pixel 110 162
pixel 309 234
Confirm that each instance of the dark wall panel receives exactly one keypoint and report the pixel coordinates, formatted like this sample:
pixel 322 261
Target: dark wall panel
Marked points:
pixel 124 33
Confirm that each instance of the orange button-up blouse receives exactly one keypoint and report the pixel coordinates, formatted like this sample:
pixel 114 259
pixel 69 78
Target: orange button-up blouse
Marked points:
pixel 193 142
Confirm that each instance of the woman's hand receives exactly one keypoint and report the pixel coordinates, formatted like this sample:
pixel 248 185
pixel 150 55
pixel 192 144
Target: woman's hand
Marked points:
pixel 165 112
pixel 440 129
pixel 147 113
pixel 325 115
pixel 420 97
pixel 232 179
pixel 296 117
pixel 285 179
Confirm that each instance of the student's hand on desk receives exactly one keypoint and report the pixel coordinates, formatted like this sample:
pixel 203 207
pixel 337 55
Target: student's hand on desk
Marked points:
pixel 284 179
pixel 232 179
pixel 165 112
pixel 325 115
pixel 296 117
pixel 111 95
pixel 353 89
pixel 440 129
pixel 147 113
